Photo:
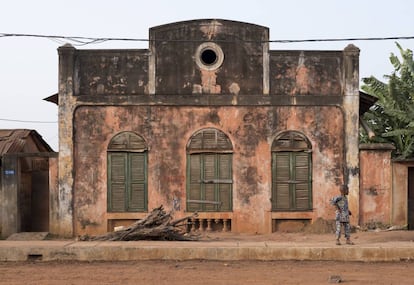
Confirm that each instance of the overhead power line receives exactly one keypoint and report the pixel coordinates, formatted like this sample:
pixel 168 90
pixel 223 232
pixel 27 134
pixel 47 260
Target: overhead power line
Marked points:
pixel 343 40
pixel 77 40
pixel 22 121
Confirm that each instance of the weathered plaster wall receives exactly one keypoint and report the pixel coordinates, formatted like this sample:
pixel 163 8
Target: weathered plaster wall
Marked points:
pixel 175 48
pixel 306 73
pixel 400 193
pixel 167 131
pixel 375 184
pixel 113 72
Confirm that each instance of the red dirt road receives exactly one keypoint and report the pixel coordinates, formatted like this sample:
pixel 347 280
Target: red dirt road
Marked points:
pixel 205 272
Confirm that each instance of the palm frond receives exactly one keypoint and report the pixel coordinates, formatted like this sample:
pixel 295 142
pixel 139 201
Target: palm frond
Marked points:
pixel 395 61
pixel 391 118
pixel 398 132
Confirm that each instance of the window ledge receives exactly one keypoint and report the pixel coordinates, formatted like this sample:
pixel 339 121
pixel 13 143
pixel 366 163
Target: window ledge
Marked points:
pixel 126 215
pixel 215 215
pixel 293 215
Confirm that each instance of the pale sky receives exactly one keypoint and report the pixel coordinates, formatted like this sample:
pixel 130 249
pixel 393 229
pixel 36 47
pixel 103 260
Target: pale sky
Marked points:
pixel 29 66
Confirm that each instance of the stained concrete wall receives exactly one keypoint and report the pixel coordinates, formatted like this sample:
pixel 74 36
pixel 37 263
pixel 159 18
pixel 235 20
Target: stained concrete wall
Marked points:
pixel 376 189
pixel 111 72
pixel 167 131
pixel 175 48
pixel 400 192
pixel 306 73
pixel 165 95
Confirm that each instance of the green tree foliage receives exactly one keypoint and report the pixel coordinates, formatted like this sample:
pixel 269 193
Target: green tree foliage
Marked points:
pixel 392 116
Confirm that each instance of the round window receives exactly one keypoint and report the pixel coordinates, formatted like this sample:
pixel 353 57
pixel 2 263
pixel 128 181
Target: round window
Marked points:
pixel 209 56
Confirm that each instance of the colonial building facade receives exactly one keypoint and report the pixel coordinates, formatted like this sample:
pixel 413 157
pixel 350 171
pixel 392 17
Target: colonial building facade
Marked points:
pixel 208 119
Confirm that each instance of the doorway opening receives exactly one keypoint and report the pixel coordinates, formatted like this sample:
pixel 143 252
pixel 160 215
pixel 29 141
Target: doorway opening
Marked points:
pixel 34 194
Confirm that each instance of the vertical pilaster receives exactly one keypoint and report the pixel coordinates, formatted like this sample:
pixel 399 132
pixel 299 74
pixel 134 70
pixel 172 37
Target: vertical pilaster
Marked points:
pixel 53 195
pixel 266 63
pixel 63 219
pixel 351 136
pixel 151 65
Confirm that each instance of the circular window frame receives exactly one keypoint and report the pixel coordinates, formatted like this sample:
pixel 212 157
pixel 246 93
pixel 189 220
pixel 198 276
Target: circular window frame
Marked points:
pixel 212 47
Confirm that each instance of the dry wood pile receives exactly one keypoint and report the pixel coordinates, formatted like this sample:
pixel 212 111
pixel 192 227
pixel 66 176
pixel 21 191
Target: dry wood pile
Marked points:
pixel 158 225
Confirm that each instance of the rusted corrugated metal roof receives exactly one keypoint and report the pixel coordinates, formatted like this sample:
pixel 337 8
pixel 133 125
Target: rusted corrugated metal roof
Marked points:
pixel 14 140
pixel 365 102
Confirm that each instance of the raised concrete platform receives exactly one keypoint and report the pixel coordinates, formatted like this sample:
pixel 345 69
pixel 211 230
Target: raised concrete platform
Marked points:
pixel 29 236
pixel 56 250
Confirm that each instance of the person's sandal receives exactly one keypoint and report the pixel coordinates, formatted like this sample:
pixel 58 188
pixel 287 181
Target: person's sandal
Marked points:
pixel 349 242
pixel 338 242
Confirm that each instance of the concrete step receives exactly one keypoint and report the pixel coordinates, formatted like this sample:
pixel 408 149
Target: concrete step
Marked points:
pixel 29 236
pixel 70 250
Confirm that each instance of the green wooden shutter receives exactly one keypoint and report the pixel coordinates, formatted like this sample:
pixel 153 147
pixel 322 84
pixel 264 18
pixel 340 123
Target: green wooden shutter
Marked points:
pixel 118 182
pixel 127 173
pixel 210 180
pixel 210 139
pixel 194 192
pixel 301 181
pixel 291 181
pixel 225 185
pixel 209 175
pixel 209 169
pixel 281 166
pixel 209 196
pixel 291 172
pixel 137 193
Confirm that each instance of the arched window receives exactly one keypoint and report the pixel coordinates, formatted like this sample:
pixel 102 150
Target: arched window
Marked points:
pixel 291 172
pixel 127 173
pixel 209 172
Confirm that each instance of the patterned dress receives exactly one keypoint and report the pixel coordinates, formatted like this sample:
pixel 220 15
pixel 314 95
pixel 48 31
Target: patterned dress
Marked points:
pixel 342 216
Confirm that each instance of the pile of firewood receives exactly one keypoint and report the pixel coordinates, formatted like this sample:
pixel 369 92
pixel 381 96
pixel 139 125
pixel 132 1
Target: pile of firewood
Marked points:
pixel 158 225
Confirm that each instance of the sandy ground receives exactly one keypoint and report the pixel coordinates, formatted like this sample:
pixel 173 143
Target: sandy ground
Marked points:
pixel 219 272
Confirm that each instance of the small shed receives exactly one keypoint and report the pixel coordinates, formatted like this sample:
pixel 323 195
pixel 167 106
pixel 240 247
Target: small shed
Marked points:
pixel 24 181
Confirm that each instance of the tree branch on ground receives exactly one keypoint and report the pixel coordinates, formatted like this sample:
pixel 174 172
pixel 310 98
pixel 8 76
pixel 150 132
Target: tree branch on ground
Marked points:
pixel 158 225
